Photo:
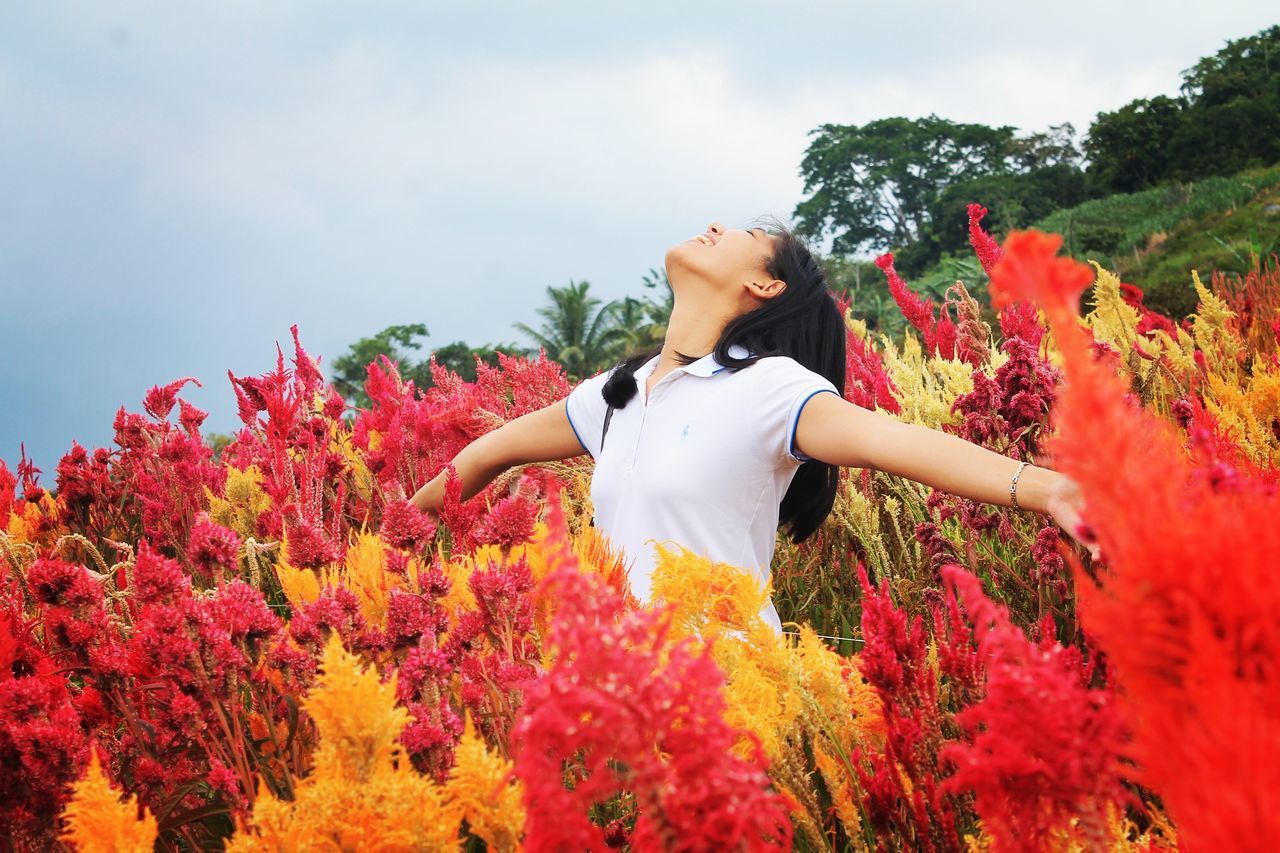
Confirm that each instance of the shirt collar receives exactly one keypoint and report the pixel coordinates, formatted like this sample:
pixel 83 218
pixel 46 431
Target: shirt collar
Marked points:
pixel 705 366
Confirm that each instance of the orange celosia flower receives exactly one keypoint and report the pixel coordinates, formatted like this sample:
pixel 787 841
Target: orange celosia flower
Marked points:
pixel 1188 610
pixel 97 820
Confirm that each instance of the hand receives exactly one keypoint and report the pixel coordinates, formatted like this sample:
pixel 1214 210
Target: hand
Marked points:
pixel 1064 504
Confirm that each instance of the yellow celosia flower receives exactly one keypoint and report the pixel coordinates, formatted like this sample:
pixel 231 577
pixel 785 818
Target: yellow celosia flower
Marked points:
pixel 844 796
pixel 1213 333
pixel 362 792
pixel 97 820
pixel 1112 320
pixel 478 784
pixel 928 387
pixel 25 519
pixel 245 501
pixel 1247 413
pixel 365 573
pixel 361 476
pixel 706 594
pixel 300 586
pixel 867 708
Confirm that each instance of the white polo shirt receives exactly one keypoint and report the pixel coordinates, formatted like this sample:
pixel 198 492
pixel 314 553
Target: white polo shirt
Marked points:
pixel 704 461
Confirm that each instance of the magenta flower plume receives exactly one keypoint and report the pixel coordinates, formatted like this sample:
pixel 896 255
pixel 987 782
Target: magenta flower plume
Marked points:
pixel 939 334
pixel 987 249
pixel 159 400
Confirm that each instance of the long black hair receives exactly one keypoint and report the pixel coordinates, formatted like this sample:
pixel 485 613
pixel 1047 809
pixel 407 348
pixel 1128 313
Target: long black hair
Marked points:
pixel 802 322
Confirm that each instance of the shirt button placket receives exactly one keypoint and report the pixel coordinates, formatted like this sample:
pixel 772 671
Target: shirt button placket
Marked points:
pixel 644 409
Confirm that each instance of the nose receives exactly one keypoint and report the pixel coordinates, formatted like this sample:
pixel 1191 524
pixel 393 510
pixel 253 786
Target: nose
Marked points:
pixel 716 228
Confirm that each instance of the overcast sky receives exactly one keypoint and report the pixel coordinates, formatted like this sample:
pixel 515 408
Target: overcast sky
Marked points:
pixel 181 182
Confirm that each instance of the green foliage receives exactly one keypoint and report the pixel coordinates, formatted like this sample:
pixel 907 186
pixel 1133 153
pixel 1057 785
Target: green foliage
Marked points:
pixel 1128 148
pixel 1154 237
pixel 873 185
pixel 1014 201
pixel 217 441
pixel 1227 120
pixel 348 371
pixel 869 297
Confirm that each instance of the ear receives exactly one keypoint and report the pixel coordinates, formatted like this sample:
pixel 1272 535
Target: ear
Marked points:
pixel 766 289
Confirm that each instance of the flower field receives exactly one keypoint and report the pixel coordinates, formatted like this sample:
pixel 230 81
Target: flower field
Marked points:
pixel 276 650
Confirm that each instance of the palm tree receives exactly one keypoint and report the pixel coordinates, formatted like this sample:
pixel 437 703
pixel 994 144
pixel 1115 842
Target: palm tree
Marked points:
pixel 633 327
pixel 578 333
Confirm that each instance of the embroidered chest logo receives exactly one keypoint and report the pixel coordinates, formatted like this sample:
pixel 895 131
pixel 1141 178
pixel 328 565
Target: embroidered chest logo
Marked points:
pixel 684 433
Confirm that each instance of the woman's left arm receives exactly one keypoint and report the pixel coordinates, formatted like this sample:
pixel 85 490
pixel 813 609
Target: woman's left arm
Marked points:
pixel 838 432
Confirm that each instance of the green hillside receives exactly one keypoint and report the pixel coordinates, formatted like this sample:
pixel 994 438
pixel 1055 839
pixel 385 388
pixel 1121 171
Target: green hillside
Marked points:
pixel 1155 237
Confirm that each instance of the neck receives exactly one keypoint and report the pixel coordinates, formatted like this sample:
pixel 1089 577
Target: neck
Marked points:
pixel 693 329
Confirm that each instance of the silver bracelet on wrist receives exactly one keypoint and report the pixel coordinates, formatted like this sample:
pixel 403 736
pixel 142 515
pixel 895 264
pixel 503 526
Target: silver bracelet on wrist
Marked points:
pixel 1013 486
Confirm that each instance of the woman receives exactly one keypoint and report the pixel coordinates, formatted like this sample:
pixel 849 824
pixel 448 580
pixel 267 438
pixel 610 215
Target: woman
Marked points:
pixel 714 452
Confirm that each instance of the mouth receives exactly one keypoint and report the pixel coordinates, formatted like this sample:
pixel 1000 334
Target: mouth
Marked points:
pixel 704 239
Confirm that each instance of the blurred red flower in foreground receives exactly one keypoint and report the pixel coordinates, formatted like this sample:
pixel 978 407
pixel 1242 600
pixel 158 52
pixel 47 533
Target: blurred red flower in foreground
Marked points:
pixel 1188 607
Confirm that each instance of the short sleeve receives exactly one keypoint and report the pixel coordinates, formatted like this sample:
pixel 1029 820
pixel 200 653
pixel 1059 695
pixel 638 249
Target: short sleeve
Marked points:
pixel 781 391
pixel 586 410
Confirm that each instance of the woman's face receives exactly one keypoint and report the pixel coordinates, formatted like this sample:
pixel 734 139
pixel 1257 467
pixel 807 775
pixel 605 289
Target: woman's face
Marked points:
pixel 730 261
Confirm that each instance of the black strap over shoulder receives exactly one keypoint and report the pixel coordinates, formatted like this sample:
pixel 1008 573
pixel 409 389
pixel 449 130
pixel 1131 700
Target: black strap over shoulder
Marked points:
pixel 607 416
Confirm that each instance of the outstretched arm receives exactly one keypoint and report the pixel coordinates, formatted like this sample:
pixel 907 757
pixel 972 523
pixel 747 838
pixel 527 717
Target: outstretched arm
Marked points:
pixel 841 433
pixel 541 436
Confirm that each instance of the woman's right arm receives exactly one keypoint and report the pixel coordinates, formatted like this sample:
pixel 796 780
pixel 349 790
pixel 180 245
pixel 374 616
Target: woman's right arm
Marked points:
pixel 542 436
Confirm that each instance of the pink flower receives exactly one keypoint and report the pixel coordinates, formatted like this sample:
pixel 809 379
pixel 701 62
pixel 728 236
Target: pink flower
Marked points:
pixel 160 399
pixel 939 334
pixel 988 250
pixel 406 526
pixel 213 548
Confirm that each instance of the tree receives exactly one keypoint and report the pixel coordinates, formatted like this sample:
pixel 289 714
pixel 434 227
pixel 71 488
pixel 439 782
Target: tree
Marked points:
pixel 217 442
pixel 350 369
pixel 460 357
pixel 1128 148
pixel 873 185
pixel 1015 201
pixel 1232 117
pixel 578 332
pixel 1246 69
pixel 1054 147
pixel 1226 120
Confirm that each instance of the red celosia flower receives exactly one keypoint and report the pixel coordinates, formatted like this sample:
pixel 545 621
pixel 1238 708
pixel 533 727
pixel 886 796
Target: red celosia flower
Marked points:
pixel 460 517
pixel 159 400
pixel 653 725
pixel 156 579
pixel 1043 748
pixel 190 417
pixel 337 609
pixel 939 334
pixel 7 483
pixel 431 735
pixel 213 549
pixel 988 250
pixel 309 546
pixel 406 526
pixel 509 523
pixel 868 383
